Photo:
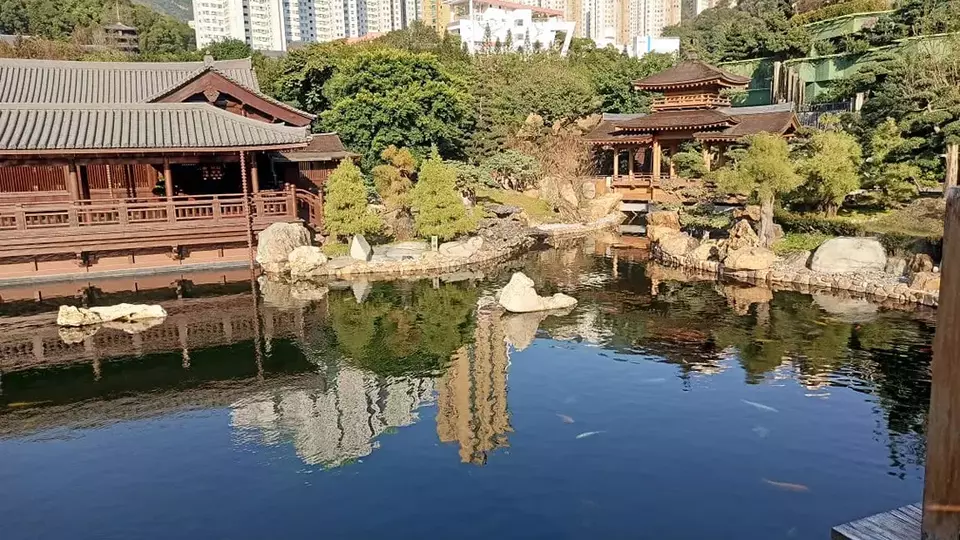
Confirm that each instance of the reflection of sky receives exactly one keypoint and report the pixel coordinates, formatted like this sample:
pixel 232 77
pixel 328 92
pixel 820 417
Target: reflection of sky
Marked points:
pixel 673 460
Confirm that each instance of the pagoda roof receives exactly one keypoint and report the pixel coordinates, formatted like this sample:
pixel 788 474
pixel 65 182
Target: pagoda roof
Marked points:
pixel 690 73
pixel 673 120
pixel 322 147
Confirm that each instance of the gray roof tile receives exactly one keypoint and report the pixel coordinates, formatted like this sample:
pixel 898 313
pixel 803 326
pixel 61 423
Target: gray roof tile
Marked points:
pixel 60 81
pixel 35 127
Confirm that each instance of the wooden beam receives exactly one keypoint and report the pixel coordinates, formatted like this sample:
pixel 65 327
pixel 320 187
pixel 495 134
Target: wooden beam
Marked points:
pixel 941 493
pixel 952 165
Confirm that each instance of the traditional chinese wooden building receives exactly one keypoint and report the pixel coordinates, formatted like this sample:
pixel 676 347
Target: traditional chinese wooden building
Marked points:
pixel 120 165
pixel 694 108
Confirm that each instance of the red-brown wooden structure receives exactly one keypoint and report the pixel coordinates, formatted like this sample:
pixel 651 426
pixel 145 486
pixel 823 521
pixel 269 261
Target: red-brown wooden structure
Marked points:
pixel 120 165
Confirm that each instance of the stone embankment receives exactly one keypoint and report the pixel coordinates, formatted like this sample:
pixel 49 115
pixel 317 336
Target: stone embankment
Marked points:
pixel 858 266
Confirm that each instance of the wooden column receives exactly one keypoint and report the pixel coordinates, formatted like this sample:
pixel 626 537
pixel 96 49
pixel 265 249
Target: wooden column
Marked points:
pixel 254 174
pixel 70 180
pixel 167 179
pixel 952 165
pixel 941 493
pixel 632 153
pixel 673 169
pixel 656 160
pixel 616 163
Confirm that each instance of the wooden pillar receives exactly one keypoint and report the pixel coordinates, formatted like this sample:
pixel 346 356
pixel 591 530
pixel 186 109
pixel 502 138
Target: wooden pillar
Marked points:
pixel 254 173
pixel 673 168
pixel 167 179
pixel 616 163
pixel 70 180
pixel 656 160
pixel 632 155
pixel 952 165
pixel 941 493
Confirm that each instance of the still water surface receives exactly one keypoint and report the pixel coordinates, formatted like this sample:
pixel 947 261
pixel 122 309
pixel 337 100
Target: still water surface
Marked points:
pixel 655 409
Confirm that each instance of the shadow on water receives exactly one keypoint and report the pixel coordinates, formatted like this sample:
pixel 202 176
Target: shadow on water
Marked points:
pixel 349 364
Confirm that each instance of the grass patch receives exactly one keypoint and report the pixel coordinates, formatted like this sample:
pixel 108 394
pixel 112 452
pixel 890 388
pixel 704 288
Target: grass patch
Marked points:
pixel 538 210
pixel 794 242
pixel 335 249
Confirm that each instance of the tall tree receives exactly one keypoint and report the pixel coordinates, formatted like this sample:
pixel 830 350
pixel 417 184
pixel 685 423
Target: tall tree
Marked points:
pixel 831 169
pixel 345 209
pixel 385 97
pixel 438 209
pixel 763 170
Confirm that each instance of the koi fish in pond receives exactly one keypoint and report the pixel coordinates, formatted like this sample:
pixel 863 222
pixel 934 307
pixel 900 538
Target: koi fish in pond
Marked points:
pixel 787 486
pixel 760 406
pixel 566 419
pixel 586 434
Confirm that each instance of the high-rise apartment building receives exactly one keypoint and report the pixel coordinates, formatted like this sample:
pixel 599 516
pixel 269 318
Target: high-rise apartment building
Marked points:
pixel 273 25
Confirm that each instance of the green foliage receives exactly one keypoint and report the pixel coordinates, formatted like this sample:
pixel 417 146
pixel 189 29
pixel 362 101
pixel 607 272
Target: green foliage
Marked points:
pixel 752 29
pixel 793 242
pixel 438 208
pixel 512 170
pixel 304 72
pixel 763 168
pixel 538 210
pixel 345 209
pixel 689 161
pixel 394 179
pixel 611 73
pixel 471 178
pixel 841 9
pixel 831 169
pixel 228 49
pixel 893 182
pixel 384 97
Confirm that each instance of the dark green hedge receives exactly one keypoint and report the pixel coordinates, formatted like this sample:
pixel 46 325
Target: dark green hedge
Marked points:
pixel 897 243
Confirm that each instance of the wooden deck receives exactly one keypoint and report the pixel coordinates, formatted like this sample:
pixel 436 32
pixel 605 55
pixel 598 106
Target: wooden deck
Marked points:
pixel 900 524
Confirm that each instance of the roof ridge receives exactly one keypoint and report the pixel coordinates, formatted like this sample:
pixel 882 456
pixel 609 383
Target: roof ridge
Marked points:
pixel 240 63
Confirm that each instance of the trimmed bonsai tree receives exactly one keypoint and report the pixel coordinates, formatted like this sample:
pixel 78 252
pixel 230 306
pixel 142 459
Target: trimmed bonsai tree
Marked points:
pixel 438 208
pixel 345 211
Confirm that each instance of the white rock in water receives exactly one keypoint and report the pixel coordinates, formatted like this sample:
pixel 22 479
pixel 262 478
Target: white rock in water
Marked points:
pixel 275 243
pixel 74 316
pixel 129 312
pixel 360 248
pixel 306 260
pixel 847 254
pixel 519 296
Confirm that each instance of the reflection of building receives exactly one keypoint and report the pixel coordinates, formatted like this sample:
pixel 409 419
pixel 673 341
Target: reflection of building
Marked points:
pixel 340 424
pixel 472 404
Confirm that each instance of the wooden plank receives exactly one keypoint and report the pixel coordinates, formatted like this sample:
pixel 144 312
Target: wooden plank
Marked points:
pixel 899 524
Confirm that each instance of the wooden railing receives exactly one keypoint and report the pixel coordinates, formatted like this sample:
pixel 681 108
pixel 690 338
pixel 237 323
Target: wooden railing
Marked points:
pixel 127 214
pixel 690 101
pixel 310 208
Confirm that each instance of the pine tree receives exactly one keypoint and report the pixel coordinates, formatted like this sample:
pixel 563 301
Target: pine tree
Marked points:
pixel 345 210
pixel 439 210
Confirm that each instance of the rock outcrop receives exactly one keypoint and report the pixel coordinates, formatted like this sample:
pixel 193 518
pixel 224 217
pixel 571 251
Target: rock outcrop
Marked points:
pixel 306 261
pixel 461 248
pixel 601 206
pixel 847 254
pixel 677 244
pixel 519 296
pixel 275 243
pixel 749 258
pixel 360 249
pixel 74 316
pixel 798 260
pixel 925 281
pixel 742 235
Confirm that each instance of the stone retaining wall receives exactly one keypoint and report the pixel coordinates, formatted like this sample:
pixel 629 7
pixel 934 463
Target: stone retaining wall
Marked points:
pixel 805 280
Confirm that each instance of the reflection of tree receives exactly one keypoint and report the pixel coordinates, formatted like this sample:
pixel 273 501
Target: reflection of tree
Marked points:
pixel 472 405
pixel 391 335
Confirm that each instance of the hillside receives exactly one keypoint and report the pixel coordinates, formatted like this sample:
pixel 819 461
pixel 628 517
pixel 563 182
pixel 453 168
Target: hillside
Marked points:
pixel 181 10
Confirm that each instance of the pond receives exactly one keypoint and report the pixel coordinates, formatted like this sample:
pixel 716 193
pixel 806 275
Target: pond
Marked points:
pixel 656 408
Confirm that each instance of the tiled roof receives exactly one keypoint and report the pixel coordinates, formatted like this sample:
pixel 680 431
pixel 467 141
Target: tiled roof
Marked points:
pixel 668 120
pixel 58 81
pixel 322 147
pixel 690 73
pixel 752 123
pixel 124 127
pixel 606 130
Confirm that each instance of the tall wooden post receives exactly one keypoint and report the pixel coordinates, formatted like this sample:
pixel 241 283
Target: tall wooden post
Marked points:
pixel 673 168
pixel 941 493
pixel 656 160
pixel 616 163
pixel 632 155
pixel 70 180
pixel 254 174
pixel 167 179
pixel 952 165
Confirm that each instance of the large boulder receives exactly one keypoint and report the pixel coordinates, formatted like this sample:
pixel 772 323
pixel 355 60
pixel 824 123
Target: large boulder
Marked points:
pixel 925 281
pixel 897 266
pixel 461 248
pixel 846 254
pixel 519 296
pixel 749 258
pixel 750 212
pixel 602 206
pixel 306 261
pixel 275 243
pixel 798 260
pixel 708 250
pixel 742 235
pixel 677 244
pixel 74 316
pixel 669 219
pixel 920 262
pixel 360 249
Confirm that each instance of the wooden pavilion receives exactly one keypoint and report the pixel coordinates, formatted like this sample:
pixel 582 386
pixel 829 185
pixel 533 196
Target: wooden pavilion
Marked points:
pixel 694 108
pixel 120 165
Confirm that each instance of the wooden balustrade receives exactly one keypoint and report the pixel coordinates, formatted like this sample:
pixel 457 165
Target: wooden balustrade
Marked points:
pixel 690 101
pixel 93 215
